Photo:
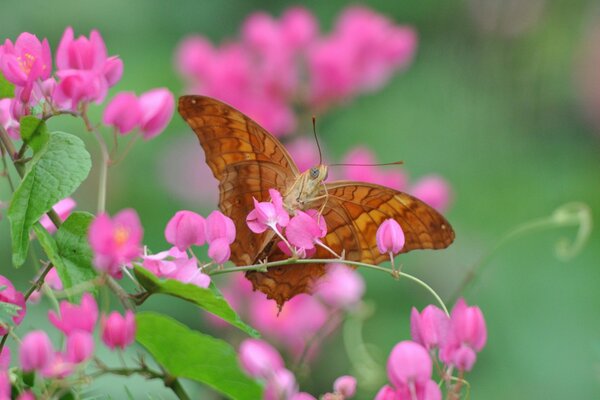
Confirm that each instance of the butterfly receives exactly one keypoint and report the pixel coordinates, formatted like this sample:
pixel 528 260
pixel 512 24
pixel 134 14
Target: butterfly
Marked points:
pixel 248 161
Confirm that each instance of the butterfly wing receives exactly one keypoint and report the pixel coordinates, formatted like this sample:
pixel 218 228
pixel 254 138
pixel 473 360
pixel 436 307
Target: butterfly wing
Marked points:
pixel 246 160
pixel 353 211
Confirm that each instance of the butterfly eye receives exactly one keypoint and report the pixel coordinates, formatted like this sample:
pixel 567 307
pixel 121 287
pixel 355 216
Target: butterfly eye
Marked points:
pixel 314 173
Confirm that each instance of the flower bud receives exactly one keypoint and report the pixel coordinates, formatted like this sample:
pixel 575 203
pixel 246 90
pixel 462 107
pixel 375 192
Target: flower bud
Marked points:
pixel 118 331
pixel 35 351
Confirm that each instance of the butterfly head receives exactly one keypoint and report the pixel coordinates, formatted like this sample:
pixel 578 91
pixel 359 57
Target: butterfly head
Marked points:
pixel 318 173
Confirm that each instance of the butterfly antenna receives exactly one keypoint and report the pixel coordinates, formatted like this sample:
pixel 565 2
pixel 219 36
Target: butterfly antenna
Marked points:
pixel 314 121
pixel 367 165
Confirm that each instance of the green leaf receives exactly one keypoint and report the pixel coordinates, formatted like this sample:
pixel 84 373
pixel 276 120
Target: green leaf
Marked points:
pixel 7 89
pixel 53 174
pixel 34 132
pixel 207 299
pixel 50 248
pixel 7 312
pixel 188 354
pixel 73 248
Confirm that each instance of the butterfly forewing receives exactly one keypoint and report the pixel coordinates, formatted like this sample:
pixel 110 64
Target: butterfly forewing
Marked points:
pixel 248 161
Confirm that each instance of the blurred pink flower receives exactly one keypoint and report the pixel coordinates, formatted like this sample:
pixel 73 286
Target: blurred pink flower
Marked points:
pixel 164 263
pixel 280 385
pixel 185 229
pixel 430 327
pixel 409 362
pixel 77 86
pixel 259 359
pixel 8 294
pixel 389 237
pixel 118 331
pixel 268 214
pixel 26 61
pixel 123 112
pixel 345 385
pixel 59 367
pixel 363 172
pixel 5 385
pixel 5 357
pixel 433 190
pixel 303 396
pixel 75 317
pixel 80 346
pixel 115 241
pixel 35 351
pixel 157 107
pixel 342 287
pixel 220 233
pixel 188 272
pixel 466 337
pixel 10 124
pixel 293 326
pixel 387 393
pixel 63 208
pixel 27 395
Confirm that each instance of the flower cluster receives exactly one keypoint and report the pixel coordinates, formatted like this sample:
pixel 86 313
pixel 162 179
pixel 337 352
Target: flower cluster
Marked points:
pixel 277 64
pixel 84 73
pixel 260 360
pixel 77 323
pixel 8 294
pixel 455 339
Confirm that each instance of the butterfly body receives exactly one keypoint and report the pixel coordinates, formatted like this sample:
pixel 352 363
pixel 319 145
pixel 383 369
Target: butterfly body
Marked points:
pixel 248 161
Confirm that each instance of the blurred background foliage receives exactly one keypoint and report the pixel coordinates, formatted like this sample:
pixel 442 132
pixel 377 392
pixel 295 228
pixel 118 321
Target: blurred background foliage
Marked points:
pixel 503 100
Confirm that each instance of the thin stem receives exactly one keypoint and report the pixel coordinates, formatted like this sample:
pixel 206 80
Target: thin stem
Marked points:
pixel 121 294
pixel 570 214
pixel 105 158
pixel 291 261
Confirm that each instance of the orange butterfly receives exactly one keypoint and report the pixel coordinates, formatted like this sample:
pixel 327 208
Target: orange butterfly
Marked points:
pixel 248 161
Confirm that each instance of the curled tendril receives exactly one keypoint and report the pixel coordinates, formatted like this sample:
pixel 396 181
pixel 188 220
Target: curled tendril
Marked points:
pixel 580 215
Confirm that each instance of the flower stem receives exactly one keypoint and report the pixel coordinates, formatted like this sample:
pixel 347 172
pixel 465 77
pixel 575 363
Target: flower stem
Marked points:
pixel 291 261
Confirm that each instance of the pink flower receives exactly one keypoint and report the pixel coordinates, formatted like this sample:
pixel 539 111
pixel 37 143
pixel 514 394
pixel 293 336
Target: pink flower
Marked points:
pixel 74 317
pixel 345 385
pixel 8 294
pixel 185 229
pixel 188 272
pixel 387 393
pixel 430 327
pixel 303 396
pixel 433 190
pixel 115 241
pixel 164 263
pixel 304 230
pixel 268 214
pixel 77 86
pixel 123 112
pixel 63 208
pixel 25 62
pixel 118 331
pixel 292 327
pixel 35 351
pixel 5 357
pixel 409 363
pixel 113 70
pixel 259 359
pixel 389 237
pixel 80 346
pixel 59 367
pixel 281 385
pixel 157 106
pixel 299 27
pixel 467 336
pixel 8 122
pixel 220 233
pixel 342 287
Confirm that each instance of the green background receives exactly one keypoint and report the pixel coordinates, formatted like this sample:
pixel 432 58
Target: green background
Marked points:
pixel 498 114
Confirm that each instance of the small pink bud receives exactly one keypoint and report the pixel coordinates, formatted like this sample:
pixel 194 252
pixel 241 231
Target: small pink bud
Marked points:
pixel 219 251
pixel 35 351
pixel 113 70
pixel 185 229
pixel 74 317
pixel 259 359
pixel 430 327
pixel 409 362
pixel 389 237
pixel 157 107
pixel 303 396
pixel 281 385
pixel 123 112
pixel 5 358
pixel 80 346
pixel 118 331
pixel 345 385
pixel 219 226
pixel 28 395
